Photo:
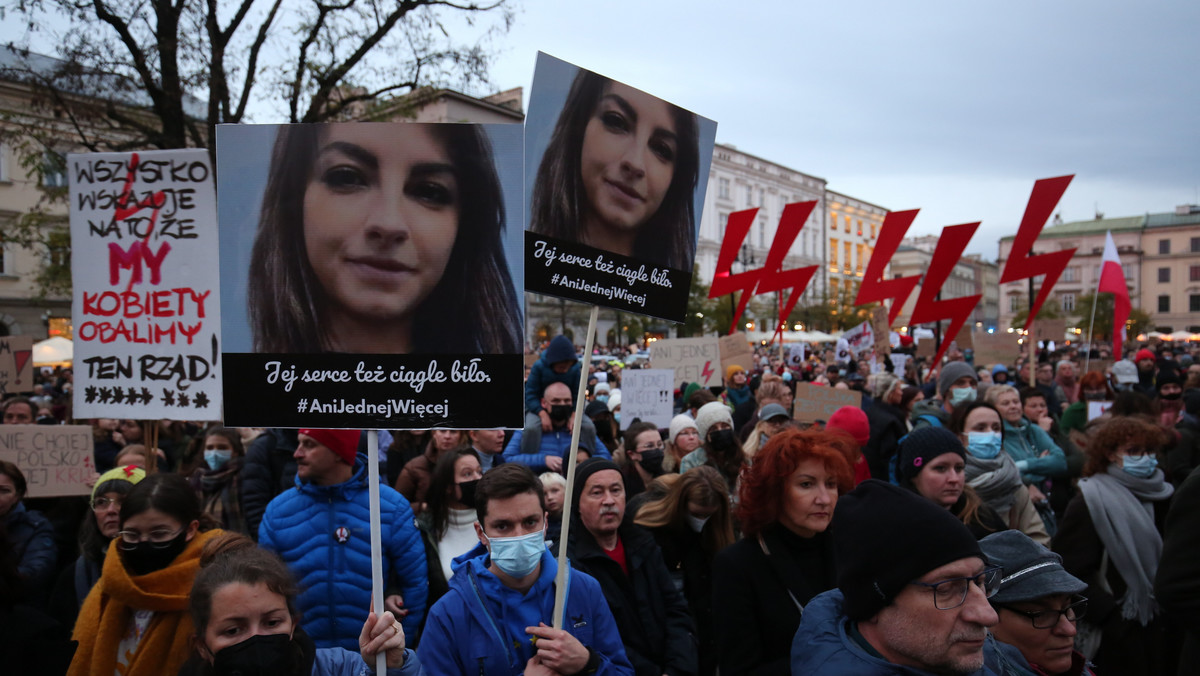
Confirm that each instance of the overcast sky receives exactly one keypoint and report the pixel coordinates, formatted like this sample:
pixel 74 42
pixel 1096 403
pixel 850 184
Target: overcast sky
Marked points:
pixel 952 107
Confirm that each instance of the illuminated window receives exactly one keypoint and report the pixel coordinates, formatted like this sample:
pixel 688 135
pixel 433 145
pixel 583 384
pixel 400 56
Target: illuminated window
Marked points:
pixel 847 224
pixel 858 266
pixel 833 254
pixel 846 249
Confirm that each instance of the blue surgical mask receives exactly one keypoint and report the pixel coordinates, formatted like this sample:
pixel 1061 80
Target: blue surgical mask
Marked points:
pixel 216 458
pixel 518 556
pixel 984 445
pixel 617 417
pixel 1140 466
pixel 603 398
pixel 959 395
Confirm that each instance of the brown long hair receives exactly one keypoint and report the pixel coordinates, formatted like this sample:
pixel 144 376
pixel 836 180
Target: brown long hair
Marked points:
pixel 556 206
pixel 474 304
pixel 703 485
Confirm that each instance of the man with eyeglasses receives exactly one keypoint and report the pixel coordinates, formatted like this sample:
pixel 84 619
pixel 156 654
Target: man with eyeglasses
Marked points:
pixel 1038 604
pixel 912 596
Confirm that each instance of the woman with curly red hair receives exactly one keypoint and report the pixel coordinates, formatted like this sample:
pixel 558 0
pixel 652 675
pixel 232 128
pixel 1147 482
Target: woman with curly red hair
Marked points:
pixel 785 558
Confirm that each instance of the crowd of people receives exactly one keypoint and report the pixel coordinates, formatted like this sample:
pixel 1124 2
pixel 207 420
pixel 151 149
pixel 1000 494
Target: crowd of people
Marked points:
pixel 965 519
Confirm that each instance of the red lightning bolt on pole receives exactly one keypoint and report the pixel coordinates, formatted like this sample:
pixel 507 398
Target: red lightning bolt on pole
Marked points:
pixel 1022 264
pixel 949 249
pixel 725 281
pixel 876 289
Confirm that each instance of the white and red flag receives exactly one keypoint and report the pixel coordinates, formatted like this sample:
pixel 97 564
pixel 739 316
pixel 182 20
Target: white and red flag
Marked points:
pixel 1112 280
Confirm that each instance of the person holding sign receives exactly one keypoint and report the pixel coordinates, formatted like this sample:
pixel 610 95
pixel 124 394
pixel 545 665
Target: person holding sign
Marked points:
pixel 244 609
pixel 382 239
pixel 620 173
pixel 494 618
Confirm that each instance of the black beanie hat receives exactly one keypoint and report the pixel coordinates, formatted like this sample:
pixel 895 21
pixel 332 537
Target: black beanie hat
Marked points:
pixel 884 537
pixel 584 470
pixel 922 446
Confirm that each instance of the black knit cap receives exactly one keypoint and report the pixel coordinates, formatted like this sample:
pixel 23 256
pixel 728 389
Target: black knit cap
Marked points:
pixel 884 537
pixel 922 446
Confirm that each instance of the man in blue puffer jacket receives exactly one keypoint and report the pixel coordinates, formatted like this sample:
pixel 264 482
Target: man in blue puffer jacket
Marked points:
pixel 492 621
pixel 321 529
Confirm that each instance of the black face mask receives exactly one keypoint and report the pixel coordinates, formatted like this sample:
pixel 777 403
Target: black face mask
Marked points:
pixel 722 441
pixel 560 412
pixel 147 557
pixel 467 488
pixel 261 655
pixel 652 461
pixel 1173 396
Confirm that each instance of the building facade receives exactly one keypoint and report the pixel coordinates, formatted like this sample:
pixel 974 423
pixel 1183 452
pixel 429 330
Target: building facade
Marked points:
pixel 852 230
pixel 1171 269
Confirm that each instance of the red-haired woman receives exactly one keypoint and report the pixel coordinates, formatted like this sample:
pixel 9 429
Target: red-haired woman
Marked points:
pixel 762 582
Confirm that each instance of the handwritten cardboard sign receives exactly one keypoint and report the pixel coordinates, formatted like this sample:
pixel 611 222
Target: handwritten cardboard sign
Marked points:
pixel 648 394
pixel 55 459
pixel 882 328
pixel 16 364
pixel 695 360
pixel 146 285
pixel 818 402
pixel 735 350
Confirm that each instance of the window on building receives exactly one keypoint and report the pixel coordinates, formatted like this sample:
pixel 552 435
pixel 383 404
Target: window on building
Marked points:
pixel 54 169
pixel 1164 246
pixel 4 162
pixel 723 188
pixel 1067 302
pixel 846 261
pixel 1194 273
pixel 860 227
pixel 833 254
pixel 749 196
pixel 858 264
pixel 1164 275
pixel 1196 245
pixel 833 286
pixel 762 231
pixel 872 232
pixel 833 220
pixel 58 246
pixel 1164 303
pixel 1194 302
pixel 1014 303
pixel 722 222
pixel 847 224
pixel 761 197
pixel 1071 273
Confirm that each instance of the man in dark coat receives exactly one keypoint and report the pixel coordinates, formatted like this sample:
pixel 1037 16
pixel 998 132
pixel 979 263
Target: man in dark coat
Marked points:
pixel 1177 584
pixel 269 470
pixel 651 613
pixel 887 421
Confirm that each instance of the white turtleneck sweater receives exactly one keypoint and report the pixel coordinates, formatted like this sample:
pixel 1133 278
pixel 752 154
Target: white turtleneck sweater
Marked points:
pixel 459 538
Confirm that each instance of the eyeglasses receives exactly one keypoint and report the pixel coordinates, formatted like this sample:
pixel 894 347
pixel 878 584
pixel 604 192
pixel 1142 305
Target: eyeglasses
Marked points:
pixel 159 538
pixel 652 447
pixel 951 593
pixel 1047 619
pixel 103 503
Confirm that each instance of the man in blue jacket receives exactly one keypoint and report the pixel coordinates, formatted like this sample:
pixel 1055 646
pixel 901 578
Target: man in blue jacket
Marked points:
pixel 543 451
pixel 912 596
pixel 321 529
pixel 495 618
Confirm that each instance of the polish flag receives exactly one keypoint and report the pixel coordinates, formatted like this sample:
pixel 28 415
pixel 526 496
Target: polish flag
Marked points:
pixel 1112 280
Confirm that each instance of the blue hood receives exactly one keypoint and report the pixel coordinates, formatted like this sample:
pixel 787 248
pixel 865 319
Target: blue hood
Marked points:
pixel 560 349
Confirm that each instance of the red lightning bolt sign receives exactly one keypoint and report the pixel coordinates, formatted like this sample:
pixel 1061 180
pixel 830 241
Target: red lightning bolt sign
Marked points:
pixel 949 249
pixel 771 277
pixel 707 371
pixel 875 288
pixel 1022 264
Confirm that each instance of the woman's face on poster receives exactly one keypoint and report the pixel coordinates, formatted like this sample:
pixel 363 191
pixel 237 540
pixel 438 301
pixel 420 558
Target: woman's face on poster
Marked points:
pixel 380 218
pixel 627 160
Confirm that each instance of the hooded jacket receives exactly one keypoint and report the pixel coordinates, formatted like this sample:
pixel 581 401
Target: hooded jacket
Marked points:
pixel 478 627
pixel 542 372
pixel 323 534
pixel 1025 442
pixel 32 539
pixel 823 645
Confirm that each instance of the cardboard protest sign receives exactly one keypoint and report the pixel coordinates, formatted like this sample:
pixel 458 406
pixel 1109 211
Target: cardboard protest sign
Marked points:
pixel 146 285
pixel 371 275
pixel 16 364
pixel 735 350
pixel 899 361
pixel 818 402
pixel 694 360
pixel 926 347
pixel 55 459
pixel 648 394
pixel 614 205
pixel 843 350
pixel 797 353
pixel 995 348
pixel 882 329
pixel 860 339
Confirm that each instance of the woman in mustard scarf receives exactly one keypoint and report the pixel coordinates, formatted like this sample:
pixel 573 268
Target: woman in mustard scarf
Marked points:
pixel 135 621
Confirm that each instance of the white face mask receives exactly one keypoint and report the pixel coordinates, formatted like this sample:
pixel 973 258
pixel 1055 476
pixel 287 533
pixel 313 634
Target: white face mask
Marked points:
pixel 696 523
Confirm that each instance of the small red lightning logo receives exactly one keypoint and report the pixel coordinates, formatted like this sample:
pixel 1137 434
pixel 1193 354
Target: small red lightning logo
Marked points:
pixel 771 277
pixel 949 250
pixel 707 371
pixel 1021 263
pixel 875 288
